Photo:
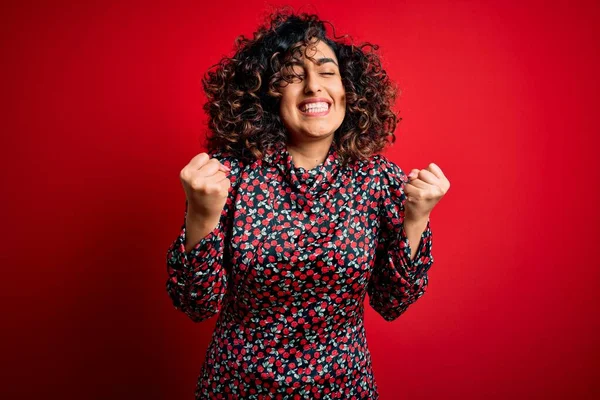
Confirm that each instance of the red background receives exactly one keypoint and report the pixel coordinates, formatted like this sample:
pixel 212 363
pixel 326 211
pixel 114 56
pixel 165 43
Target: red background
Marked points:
pixel 102 109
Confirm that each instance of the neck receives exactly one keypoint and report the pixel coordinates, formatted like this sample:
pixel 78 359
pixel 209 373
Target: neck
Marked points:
pixel 309 155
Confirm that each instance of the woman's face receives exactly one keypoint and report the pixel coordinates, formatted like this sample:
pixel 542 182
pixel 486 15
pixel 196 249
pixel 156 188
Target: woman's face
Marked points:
pixel 314 107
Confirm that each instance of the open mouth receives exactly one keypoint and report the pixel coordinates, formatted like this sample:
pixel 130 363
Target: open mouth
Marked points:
pixel 315 109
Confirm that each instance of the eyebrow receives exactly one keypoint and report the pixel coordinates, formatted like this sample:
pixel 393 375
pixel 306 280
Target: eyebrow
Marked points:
pixel 320 61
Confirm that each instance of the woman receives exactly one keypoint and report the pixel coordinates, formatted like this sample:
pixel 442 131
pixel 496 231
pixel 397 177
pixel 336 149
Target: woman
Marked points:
pixel 292 218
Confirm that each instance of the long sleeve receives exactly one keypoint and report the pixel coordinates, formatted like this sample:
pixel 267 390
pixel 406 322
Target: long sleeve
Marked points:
pixel 197 281
pixel 396 281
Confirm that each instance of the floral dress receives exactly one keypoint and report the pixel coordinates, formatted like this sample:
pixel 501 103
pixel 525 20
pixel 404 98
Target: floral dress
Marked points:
pixel 287 269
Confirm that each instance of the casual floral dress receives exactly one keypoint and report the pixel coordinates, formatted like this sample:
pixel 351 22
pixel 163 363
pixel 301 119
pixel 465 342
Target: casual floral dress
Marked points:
pixel 287 269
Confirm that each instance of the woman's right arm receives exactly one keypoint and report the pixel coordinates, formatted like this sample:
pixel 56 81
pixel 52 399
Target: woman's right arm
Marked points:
pixel 197 228
pixel 196 265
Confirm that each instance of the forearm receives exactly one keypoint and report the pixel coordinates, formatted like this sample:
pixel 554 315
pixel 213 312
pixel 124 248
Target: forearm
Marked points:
pixel 414 229
pixel 197 283
pixel 197 227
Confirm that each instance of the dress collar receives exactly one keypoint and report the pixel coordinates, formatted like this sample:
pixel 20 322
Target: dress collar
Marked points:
pixel 308 182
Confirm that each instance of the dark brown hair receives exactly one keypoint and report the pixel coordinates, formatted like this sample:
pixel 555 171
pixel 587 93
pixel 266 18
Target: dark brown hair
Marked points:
pixel 243 101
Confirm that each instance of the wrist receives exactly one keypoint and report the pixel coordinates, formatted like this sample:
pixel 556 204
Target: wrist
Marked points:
pixel 199 218
pixel 413 218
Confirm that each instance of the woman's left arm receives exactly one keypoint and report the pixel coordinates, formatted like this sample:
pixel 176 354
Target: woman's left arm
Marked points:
pixel 414 232
pixel 403 256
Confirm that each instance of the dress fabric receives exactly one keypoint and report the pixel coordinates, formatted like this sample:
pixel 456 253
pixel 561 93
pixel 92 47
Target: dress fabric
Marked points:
pixel 287 269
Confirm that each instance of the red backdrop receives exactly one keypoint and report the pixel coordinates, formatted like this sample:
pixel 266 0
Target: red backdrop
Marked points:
pixel 102 109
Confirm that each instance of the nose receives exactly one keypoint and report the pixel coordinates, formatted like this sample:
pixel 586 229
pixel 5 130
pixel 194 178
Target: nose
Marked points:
pixel 311 83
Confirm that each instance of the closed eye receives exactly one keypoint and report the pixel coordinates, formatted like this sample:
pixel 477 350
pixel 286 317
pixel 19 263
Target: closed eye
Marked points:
pixel 301 76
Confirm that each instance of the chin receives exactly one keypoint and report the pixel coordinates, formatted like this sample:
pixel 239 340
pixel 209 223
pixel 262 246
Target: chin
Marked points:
pixel 318 134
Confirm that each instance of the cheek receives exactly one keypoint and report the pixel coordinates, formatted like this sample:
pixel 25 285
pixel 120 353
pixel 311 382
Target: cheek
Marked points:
pixel 342 99
pixel 284 105
pixel 286 111
pixel 342 103
pixel 287 101
pixel 340 93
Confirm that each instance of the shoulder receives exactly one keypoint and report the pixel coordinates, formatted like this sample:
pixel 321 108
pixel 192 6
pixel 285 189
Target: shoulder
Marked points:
pixel 389 173
pixel 231 161
pixel 228 159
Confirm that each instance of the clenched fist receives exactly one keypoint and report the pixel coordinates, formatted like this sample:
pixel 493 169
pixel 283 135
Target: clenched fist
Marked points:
pixel 424 189
pixel 206 186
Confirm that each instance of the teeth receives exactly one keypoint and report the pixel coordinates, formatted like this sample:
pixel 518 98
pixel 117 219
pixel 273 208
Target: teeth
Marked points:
pixel 315 107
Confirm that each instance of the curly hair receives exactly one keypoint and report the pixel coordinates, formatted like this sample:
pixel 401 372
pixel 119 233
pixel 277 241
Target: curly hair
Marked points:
pixel 243 100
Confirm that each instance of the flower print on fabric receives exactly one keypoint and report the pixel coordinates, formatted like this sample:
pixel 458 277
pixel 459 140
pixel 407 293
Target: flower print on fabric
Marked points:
pixel 287 270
